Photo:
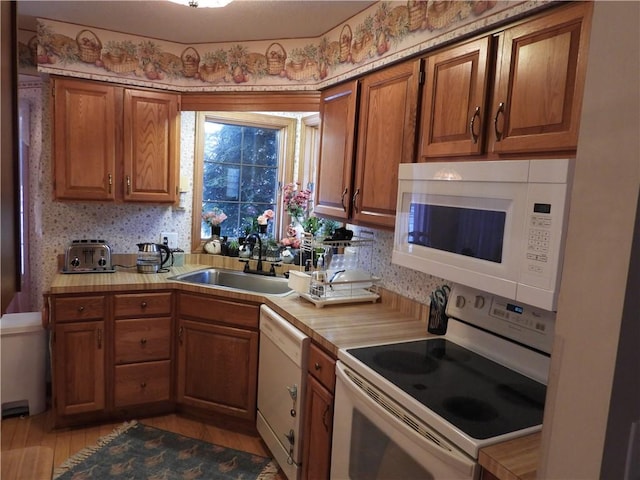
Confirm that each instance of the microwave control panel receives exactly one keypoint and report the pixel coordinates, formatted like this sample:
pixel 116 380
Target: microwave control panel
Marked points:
pixel 539 238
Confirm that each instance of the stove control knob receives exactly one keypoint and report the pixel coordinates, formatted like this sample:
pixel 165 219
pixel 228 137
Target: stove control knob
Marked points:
pixel 479 303
pixel 75 262
pixel 460 301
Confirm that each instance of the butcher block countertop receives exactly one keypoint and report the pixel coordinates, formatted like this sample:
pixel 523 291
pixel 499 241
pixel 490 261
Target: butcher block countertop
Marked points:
pixel 392 318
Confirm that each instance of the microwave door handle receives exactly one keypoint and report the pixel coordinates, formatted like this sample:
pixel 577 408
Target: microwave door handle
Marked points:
pixel 353 200
pixel 344 207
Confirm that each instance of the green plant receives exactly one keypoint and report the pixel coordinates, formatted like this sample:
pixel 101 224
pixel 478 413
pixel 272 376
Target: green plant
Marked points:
pixel 329 227
pixel 312 225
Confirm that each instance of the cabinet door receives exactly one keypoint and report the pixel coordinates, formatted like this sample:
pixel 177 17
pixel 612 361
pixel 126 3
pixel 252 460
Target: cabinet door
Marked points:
pixel 84 148
pixel 316 457
pixel 454 101
pixel 386 138
pixel 540 82
pixel 79 367
pixel 150 146
pixel 218 368
pixel 337 141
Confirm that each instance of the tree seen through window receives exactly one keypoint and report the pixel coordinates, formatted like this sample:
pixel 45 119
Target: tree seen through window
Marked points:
pixel 240 174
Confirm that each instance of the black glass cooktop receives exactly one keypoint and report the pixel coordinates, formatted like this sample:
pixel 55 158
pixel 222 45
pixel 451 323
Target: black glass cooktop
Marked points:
pixel 479 396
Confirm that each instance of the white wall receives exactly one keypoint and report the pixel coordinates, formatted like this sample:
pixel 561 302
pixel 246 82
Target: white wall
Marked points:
pixel 603 212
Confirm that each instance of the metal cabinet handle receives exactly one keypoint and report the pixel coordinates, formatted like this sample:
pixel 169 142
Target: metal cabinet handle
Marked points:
pixel 317 366
pixel 472 125
pixel 143 384
pixel 128 184
pixel 180 333
pixel 495 121
pixel 143 304
pixel 344 207
pixel 99 338
pixel 81 308
pixel 355 196
pixel 143 341
pixel 110 182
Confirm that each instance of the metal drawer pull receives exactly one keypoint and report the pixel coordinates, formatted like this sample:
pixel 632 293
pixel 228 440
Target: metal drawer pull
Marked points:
pixel 317 366
pixel 472 125
pixel 143 304
pixel 81 308
pixel 495 122
pixel 143 341
pixel 143 384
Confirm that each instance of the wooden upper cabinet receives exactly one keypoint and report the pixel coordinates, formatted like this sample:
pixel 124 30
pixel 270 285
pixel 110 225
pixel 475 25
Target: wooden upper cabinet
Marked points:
pixel 338 107
pixel 150 146
pixel 84 140
pixel 114 144
pixel 454 100
pixel 386 137
pixel 539 84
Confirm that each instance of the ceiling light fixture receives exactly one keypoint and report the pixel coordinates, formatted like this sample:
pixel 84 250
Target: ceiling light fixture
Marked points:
pixel 203 3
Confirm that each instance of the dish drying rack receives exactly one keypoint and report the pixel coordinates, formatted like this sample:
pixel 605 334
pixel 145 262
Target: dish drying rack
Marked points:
pixel 336 282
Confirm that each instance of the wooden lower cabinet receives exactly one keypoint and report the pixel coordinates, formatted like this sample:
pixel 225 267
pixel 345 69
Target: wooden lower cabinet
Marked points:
pixel 316 459
pixel 318 428
pixel 111 355
pixel 79 368
pixel 217 361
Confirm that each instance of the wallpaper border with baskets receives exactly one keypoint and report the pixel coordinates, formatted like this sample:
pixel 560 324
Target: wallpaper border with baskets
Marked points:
pixel 382 34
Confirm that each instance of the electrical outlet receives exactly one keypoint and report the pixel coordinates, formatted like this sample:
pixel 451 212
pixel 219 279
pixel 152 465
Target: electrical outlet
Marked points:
pixel 170 238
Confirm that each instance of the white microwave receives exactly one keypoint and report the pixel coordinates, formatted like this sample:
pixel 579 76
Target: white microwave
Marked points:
pixel 498 226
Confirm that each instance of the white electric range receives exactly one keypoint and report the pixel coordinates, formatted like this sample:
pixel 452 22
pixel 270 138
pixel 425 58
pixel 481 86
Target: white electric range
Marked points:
pixel 424 408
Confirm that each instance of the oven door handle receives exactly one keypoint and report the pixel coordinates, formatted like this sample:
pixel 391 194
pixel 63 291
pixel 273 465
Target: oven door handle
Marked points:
pixel 393 413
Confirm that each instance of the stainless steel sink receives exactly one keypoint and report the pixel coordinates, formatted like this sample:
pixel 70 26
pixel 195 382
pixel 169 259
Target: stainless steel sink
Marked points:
pixel 237 280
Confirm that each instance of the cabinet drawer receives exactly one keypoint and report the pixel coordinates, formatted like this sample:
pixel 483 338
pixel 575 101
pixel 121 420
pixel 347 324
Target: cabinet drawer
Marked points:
pixel 322 366
pixel 143 339
pixel 223 311
pixel 142 304
pixel 73 309
pixel 142 383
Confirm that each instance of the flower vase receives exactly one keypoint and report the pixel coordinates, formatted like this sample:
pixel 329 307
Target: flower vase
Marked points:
pixel 215 231
pixel 263 228
pixel 296 225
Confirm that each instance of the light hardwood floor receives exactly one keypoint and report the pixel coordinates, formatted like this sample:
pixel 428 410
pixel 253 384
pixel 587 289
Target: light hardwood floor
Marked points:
pixel 36 430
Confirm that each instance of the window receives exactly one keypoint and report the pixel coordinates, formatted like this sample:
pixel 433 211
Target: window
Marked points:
pixel 242 160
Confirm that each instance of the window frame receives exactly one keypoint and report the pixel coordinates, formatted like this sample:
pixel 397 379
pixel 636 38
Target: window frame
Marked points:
pixel 286 166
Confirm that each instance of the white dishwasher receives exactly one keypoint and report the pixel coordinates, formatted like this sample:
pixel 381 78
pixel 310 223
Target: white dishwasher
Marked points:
pixel 281 389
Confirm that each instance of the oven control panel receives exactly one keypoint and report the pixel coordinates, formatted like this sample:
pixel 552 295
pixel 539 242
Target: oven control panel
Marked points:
pixel 517 321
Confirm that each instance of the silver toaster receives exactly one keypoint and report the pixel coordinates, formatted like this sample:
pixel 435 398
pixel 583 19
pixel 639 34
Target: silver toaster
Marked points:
pixel 88 256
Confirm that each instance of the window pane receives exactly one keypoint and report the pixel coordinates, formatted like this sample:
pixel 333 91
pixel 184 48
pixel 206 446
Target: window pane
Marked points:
pixel 240 174
pixel 260 146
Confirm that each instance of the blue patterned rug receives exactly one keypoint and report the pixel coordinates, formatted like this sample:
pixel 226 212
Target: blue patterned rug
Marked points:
pixel 139 452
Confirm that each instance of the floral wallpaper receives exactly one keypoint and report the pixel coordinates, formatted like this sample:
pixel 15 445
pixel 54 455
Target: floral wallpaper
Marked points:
pixel 381 34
